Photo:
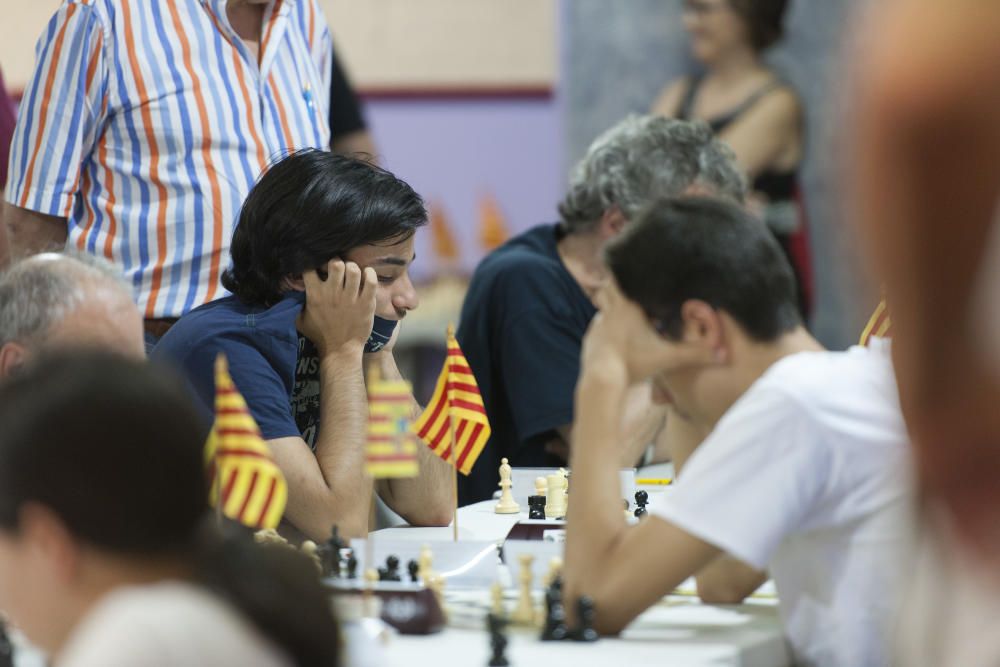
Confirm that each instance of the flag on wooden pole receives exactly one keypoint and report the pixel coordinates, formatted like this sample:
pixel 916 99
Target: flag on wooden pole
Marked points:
pixel 455 417
pixel 391 449
pixel 244 474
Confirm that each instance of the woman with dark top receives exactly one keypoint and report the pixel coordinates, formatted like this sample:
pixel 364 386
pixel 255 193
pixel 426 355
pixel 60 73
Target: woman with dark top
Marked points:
pixel 109 553
pixel 748 106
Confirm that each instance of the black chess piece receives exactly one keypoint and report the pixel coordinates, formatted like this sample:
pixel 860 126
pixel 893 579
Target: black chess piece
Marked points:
pixel 392 569
pixel 585 631
pixel 329 552
pixel 536 507
pixel 555 628
pixel 352 567
pixel 498 640
pixel 641 500
pixel 413 567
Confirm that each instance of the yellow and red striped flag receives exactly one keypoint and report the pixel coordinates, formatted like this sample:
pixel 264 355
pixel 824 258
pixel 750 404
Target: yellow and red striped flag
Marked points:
pixel 391 450
pixel 240 464
pixel 456 411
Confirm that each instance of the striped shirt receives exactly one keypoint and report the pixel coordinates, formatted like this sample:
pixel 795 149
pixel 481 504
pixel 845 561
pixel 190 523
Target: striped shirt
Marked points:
pixel 147 123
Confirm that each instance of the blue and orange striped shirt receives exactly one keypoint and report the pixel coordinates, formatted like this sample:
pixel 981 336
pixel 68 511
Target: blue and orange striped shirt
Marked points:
pixel 147 123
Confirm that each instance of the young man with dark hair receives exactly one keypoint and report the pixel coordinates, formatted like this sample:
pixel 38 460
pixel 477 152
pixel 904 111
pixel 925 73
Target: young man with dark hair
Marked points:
pixel 319 277
pixel 802 469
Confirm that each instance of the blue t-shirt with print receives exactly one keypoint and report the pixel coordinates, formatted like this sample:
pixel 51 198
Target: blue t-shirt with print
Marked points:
pixel 273 366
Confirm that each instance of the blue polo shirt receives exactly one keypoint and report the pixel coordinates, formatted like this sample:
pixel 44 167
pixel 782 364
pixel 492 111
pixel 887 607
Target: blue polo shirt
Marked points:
pixel 273 366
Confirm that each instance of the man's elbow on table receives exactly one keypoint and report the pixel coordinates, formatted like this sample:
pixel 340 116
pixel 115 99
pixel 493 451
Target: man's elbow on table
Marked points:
pixel 436 509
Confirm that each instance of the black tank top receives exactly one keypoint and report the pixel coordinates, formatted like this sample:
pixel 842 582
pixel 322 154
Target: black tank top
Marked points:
pixel 775 184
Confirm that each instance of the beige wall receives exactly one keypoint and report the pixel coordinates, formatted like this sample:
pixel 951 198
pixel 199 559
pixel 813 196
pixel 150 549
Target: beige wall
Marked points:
pixel 385 43
pixel 23 21
pixel 410 43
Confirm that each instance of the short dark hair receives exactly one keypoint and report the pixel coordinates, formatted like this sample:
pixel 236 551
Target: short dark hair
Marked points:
pixel 307 209
pixel 711 250
pixel 115 448
pixel 765 20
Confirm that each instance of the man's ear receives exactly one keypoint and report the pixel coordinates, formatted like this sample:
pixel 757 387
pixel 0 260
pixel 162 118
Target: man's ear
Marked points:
pixel 612 223
pixel 12 357
pixel 50 540
pixel 295 283
pixel 703 327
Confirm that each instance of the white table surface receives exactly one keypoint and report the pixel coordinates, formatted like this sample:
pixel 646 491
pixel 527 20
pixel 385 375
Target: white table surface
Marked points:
pixel 679 631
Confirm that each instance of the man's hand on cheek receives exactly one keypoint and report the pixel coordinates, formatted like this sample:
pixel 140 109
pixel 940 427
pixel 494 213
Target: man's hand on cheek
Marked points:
pixel 339 310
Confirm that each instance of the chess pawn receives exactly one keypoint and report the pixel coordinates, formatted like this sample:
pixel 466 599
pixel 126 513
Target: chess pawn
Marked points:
pixel 310 549
pixel 496 595
pixel 554 628
pixel 585 632
pixel 555 498
pixel 540 486
pixel 413 567
pixel 641 500
pixel 506 504
pixel 524 613
pixel 424 562
pixel 498 641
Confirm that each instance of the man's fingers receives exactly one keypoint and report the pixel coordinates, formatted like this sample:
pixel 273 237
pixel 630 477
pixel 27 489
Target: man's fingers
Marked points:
pixel 352 280
pixel 369 285
pixel 311 280
pixel 335 272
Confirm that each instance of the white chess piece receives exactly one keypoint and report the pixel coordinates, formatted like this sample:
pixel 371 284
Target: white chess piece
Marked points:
pixel 506 504
pixel 555 498
pixel 540 485
pixel 524 614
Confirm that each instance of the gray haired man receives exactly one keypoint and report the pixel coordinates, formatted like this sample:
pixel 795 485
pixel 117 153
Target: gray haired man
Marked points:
pixel 530 302
pixel 57 300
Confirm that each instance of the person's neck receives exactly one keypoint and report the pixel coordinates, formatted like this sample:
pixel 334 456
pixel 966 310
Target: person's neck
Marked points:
pixel 735 66
pixel 102 575
pixel 581 255
pixel 749 361
pixel 247 20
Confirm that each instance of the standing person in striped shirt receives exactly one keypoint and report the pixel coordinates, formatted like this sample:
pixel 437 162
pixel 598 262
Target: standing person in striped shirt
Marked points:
pixel 145 125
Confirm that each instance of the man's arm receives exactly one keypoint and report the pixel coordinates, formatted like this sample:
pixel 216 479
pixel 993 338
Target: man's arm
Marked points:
pixel 726 580
pixel 427 499
pixel 624 569
pixel 29 233
pixel 331 487
pixel 641 426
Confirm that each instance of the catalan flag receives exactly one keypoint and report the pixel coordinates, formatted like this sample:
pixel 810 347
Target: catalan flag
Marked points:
pixel 239 462
pixel 456 412
pixel 879 325
pixel 391 450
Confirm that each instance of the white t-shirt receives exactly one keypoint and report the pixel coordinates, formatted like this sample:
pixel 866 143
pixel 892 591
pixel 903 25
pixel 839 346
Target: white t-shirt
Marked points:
pixel 807 475
pixel 170 624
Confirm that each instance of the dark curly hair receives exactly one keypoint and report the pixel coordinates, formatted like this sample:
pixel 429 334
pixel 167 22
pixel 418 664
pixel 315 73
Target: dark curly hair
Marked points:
pixel 765 20
pixel 307 209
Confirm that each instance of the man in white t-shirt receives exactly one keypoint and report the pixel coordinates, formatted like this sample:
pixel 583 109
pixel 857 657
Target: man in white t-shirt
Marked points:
pixel 803 471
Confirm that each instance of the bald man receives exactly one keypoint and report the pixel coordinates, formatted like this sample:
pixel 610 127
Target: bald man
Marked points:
pixel 56 301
